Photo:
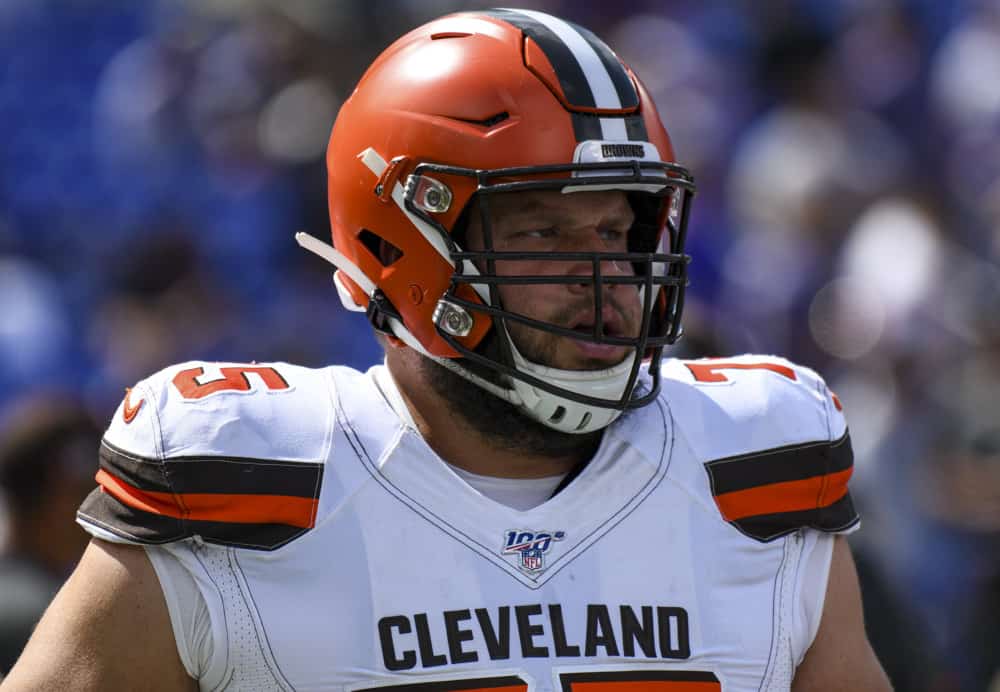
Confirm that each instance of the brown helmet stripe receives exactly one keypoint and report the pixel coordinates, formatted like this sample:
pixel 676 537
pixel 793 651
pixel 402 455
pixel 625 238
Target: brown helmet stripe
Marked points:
pixel 607 85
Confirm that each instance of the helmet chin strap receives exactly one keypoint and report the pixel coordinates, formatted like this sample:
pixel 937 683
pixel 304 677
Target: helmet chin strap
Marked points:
pixel 558 412
pixel 552 410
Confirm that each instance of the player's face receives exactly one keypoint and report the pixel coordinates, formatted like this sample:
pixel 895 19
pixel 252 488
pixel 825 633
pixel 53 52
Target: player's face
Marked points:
pixel 551 221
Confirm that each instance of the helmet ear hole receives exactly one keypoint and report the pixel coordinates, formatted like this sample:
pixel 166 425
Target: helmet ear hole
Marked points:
pixel 381 249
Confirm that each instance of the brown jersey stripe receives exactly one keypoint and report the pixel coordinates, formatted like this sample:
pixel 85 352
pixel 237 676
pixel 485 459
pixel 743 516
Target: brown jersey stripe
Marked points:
pixel 233 476
pixel 780 465
pixel 141 472
pixel 793 496
pixel 103 510
pixel 214 507
pixel 838 516
pixel 213 474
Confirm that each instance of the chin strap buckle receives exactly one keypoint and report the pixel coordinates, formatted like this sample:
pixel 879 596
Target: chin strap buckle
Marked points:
pixel 380 311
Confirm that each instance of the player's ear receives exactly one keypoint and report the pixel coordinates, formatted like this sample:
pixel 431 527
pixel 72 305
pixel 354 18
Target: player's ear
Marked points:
pixel 387 341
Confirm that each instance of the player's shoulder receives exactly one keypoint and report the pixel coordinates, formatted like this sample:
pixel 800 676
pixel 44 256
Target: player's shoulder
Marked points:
pixel 769 437
pixel 777 400
pixel 234 453
pixel 200 408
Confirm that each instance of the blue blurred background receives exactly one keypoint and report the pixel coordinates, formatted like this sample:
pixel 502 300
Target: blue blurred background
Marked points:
pixel 157 157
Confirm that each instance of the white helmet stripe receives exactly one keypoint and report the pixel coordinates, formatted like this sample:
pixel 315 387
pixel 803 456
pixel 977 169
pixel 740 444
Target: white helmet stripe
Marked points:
pixel 589 73
pixel 605 94
pixel 613 129
pixel 376 164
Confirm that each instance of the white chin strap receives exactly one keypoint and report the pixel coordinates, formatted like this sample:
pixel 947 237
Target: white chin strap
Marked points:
pixel 563 414
pixel 552 410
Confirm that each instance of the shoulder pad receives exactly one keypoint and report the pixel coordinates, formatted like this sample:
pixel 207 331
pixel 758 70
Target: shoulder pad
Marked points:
pixel 232 453
pixel 772 439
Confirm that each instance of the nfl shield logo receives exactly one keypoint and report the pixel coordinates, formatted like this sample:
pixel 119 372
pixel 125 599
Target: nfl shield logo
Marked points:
pixel 531 559
pixel 530 546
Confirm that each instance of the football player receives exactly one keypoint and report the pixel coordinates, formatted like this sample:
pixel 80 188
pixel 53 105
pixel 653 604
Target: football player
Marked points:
pixel 525 496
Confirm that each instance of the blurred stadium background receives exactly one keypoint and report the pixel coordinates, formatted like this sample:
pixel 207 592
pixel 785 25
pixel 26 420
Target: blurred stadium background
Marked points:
pixel 157 156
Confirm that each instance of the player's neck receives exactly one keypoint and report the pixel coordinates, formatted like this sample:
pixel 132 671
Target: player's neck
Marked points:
pixel 456 440
pixel 469 450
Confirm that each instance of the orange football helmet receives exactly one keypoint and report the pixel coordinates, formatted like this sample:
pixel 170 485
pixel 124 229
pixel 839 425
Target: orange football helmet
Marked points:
pixel 488 102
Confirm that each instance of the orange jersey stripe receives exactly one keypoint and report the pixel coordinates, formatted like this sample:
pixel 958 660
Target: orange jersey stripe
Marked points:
pixel 239 509
pixel 790 496
pixel 647 686
pixel 145 500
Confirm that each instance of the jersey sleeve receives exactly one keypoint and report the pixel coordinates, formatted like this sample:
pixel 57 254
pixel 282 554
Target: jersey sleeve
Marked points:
pixel 230 454
pixel 773 441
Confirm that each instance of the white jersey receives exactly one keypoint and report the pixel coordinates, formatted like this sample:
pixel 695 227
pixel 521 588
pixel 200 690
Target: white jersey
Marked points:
pixel 307 538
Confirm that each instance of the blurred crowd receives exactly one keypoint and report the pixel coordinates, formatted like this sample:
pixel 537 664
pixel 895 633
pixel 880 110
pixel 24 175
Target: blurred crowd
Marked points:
pixel 158 156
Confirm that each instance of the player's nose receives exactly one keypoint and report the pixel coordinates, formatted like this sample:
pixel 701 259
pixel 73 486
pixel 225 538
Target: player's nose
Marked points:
pixel 602 263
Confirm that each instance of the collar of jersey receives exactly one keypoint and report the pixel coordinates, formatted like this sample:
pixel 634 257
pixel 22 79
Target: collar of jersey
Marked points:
pixel 632 460
pixel 387 385
pixel 626 427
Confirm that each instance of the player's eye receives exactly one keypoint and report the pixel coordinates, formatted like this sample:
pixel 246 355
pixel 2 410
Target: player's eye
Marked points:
pixel 547 232
pixel 611 235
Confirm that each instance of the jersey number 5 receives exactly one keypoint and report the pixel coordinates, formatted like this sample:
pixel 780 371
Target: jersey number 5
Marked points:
pixel 234 379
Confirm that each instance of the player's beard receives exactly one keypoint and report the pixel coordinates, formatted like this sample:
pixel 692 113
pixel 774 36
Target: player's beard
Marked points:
pixel 500 423
pixel 503 425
